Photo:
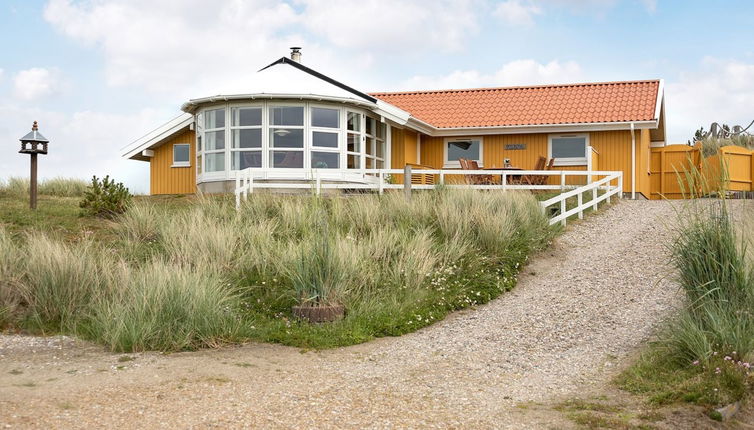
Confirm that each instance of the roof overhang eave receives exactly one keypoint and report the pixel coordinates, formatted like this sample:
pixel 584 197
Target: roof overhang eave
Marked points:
pixel 134 150
pixel 430 130
pixel 192 105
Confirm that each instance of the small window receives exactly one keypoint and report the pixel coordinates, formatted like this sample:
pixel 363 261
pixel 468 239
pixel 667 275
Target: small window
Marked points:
pixel 287 115
pixel 569 150
pixel 322 117
pixel 181 156
pixel 470 149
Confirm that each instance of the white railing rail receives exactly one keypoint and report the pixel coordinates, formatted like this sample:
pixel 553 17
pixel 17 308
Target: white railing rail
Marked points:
pixel 605 184
pixel 249 180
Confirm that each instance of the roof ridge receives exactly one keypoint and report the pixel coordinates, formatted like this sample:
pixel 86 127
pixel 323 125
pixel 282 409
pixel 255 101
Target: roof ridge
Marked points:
pixel 518 87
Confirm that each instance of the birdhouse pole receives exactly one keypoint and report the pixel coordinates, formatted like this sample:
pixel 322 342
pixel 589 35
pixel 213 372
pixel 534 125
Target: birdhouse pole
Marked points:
pixel 33 144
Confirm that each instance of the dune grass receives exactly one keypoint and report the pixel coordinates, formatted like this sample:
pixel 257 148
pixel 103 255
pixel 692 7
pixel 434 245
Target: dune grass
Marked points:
pixel 704 353
pixel 183 276
pixel 57 187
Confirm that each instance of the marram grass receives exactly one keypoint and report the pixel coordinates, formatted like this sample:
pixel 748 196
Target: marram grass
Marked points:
pixel 206 274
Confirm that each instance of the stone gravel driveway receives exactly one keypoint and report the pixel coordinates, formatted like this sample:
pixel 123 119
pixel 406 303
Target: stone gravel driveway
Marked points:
pixel 579 309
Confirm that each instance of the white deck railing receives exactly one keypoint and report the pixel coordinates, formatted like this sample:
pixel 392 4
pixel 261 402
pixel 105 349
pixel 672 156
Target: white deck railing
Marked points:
pixel 316 180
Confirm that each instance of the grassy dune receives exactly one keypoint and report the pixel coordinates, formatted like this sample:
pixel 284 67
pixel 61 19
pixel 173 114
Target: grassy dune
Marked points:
pixel 174 274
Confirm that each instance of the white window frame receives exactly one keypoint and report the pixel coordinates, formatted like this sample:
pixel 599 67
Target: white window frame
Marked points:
pixel 305 148
pixel 312 129
pixel 226 135
pixel 186 163
pixel 232 128
pixel 359 135
pixel 455 164
pixel 569 161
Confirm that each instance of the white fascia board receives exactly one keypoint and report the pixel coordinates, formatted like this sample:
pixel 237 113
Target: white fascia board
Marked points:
pixel 660 99
pixel 548 128
pixel 193 104
pixel 393 113
pixel 157 135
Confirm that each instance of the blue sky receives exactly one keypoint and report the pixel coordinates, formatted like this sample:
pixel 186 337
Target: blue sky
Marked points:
pixel 98 74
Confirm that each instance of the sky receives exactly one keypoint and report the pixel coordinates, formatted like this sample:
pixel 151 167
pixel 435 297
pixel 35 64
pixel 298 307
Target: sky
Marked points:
pixel 98 74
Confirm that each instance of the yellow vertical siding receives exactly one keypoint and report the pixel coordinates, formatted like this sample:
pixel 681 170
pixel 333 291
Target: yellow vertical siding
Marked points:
pixel 614 148
pixel 165 179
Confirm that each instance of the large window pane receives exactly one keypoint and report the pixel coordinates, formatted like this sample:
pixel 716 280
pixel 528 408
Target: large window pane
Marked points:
pixel 247 116
pixel 353 161
pixel 380 149
pixel 244 159
pixel 215 140
pixel 214 118
pixel 354 143
pixel 214 162
pixel 247 138
pixel 287 115
pixel 354 121
pixel 286 138
pixel 287 159
pixel 322 117
pixel 370 146
pixel 199 164
pixel 326 140
pixel 370 125
pixel 325 160
pixel 468 149
pixel 568 147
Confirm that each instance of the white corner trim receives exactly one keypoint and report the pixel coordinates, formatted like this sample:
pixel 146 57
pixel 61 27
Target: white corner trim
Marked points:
pixel 660 99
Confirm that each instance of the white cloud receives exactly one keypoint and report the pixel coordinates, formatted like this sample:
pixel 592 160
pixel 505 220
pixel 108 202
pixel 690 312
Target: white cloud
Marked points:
pixel 167 45
pixel 514 12
pixel 651 5
pixel 192 48
pixel 518 72
pixel 399 26
pixel 36 83
pixel 720 91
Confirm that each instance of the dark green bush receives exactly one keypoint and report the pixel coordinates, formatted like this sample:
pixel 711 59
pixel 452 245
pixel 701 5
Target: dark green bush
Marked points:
pixel 105 198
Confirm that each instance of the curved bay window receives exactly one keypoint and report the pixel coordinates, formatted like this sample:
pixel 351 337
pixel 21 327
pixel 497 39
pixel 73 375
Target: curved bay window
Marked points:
pixel 283 135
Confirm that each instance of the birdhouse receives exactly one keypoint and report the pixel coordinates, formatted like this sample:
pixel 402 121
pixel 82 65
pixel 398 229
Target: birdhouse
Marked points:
pixel 34 142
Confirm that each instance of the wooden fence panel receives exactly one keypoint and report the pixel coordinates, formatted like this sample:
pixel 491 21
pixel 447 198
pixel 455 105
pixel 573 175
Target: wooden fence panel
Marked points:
pixel 669 169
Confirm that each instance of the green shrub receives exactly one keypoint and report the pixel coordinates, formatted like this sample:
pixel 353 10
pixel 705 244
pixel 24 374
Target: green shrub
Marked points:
pixel 11 272
pixel 105 198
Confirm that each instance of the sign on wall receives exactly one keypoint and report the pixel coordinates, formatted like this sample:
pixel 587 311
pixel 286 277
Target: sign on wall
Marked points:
pixel 515 146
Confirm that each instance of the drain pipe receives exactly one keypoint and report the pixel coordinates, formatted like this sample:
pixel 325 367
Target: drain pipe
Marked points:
pixel 633 163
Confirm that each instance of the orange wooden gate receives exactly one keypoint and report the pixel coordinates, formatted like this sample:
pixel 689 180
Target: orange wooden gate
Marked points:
pixel 670 168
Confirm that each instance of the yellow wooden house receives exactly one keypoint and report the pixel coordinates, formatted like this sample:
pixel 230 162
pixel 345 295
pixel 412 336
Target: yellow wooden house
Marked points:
pixel 294 120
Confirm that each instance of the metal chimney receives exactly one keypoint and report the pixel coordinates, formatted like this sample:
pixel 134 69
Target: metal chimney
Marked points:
pixel 296 53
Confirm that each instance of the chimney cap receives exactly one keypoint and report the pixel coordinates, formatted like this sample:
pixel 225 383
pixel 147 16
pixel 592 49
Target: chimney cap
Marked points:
pixel 296 53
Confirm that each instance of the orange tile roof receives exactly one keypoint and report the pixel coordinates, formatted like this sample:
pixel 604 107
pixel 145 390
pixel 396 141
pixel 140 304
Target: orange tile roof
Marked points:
pixel 534 105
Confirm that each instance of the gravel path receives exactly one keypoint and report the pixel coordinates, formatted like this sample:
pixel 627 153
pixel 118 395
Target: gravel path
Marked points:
pixel 577 311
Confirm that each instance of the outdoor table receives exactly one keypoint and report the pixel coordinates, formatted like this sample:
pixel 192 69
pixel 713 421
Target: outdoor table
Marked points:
pixel 509 177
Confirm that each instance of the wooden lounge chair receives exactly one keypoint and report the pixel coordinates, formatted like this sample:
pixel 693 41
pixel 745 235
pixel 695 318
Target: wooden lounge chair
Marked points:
pixel 531 179
pixel 542 179
pixel 475 179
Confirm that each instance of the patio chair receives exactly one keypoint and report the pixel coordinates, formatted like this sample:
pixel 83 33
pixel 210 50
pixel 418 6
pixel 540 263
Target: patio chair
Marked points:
pixel 533 179
pixel 542 179
pixel 474 179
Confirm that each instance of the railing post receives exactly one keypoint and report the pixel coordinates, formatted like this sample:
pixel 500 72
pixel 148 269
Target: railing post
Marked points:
pixel 318 182
pixel 504 180
pixel 442 177
pixel 238 192
pixel 563 211
pixel 562 180
pixel 250 186
pixel 380 177
pixel 620 186
pixel 407 182
pixel 580 201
